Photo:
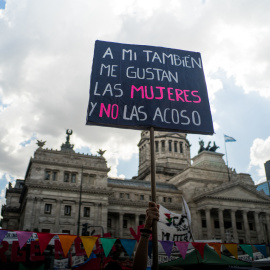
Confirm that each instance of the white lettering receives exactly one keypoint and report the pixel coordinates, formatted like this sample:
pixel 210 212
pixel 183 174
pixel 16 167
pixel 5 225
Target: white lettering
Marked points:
pixel 126 51
pixel 108 52
pixel 198 123
pixel 158 113
pixel 186 117
pixel 93 105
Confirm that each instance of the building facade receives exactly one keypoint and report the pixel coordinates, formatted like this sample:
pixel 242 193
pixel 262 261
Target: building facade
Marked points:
pixel 63 190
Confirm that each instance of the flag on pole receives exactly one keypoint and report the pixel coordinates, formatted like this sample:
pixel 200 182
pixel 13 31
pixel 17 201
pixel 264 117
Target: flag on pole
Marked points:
pixel 229 139
pixel 185 211
pixel 173 226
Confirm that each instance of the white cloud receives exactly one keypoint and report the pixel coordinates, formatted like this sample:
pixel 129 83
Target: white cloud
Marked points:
pixel 46 57
pixel 259 154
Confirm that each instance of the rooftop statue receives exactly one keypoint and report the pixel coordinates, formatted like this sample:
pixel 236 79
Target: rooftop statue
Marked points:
pixel 208 147
pixel 101 152
pixel 69 133
pixel 40 143
pixel 67 147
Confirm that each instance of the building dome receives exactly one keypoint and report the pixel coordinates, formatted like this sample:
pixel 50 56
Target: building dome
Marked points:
pixel 172 151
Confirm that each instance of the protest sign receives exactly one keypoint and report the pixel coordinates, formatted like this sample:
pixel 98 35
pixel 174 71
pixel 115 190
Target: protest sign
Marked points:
pixel 172 226
pixel 138 87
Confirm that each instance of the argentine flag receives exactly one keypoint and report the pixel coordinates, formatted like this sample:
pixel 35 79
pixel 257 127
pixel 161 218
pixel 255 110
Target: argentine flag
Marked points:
pixel 229 139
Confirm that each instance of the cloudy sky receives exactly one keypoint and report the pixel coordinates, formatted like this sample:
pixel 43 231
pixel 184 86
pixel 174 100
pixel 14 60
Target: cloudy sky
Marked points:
pixel 46 51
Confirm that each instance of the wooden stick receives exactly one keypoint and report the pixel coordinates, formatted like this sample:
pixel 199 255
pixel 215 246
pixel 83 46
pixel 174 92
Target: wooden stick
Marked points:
pixel 153 194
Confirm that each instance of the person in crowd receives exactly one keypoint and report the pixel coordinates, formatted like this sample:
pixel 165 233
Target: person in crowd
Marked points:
pixel 141 255
pixel 140 259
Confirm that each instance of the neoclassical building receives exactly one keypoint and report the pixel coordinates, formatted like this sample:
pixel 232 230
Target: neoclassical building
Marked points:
pixel 63 190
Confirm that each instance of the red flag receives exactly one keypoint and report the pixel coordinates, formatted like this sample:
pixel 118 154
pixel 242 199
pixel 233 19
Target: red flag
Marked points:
pixel 44 240
pixel 199 247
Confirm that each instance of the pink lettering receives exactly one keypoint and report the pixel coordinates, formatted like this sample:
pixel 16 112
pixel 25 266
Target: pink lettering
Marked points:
pixel 152 93
pixel 161 91
pixel 103 108
pixel 178 93
pixel 186 96
pixel 199 99
pixel 116 114
pixel 170 94
pixel 136 89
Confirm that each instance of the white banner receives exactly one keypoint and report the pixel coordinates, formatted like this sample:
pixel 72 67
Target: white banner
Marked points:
pixel 172 226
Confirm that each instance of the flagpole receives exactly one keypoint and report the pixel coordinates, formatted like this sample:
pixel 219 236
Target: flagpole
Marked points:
pixel 227 160
pixel 153 194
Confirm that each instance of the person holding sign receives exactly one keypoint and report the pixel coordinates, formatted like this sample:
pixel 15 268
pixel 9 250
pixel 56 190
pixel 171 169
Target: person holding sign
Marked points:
pixel 140 259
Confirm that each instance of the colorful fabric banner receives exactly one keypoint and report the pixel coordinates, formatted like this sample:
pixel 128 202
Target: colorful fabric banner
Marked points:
pixel 17 256
pixel 182 247
pixel 66 241
pixel 79 249
pixel 107 244
pixel 232 248
pixel 172 226
pixel 247 249
pixel 128 245
pixel 44 240
pixel 217 247
pixel 2 235
pixel 167 246
pixel 88 243
pixel 23 237
pixel 262 249
pixel 34 250
pixel 199 247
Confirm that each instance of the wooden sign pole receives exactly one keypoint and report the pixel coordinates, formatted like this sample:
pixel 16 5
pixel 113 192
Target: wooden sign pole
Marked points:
pixel 153 194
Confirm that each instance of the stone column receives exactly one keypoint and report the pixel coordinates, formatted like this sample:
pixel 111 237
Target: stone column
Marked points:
pixel 116 228
pixel 198 226
pixel 268 226
pixel 246 226
pixel 28 214
pixel 221 224
pixel 57 214
pixel 263 228
pixel 258 227
pixel 37 213
pixel 76 217
pixel 235 234
pixel 95 207
pixel 120 225
pixel 208 223
pixel 194 217
pixel 104 216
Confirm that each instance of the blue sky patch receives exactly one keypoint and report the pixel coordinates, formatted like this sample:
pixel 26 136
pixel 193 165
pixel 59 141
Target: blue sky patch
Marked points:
pixel 26 142
pixel 2 4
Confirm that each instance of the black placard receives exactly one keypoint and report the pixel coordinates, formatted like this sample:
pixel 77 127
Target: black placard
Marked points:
pixel 136 86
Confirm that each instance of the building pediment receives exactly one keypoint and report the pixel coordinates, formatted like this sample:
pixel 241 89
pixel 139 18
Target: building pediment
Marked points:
pixel 235 191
